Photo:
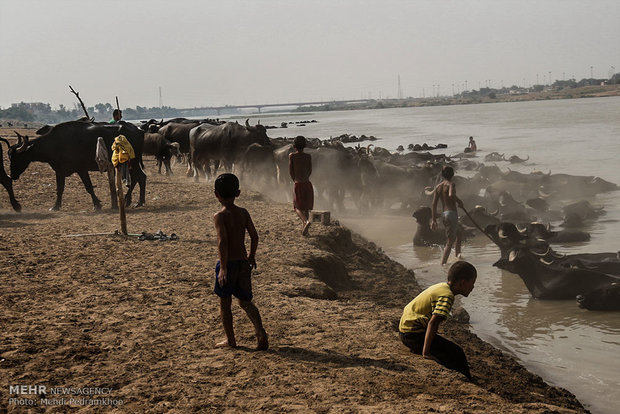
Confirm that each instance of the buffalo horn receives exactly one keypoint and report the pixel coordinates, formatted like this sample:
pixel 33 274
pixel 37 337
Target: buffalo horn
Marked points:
pixel 512 255
pixel 541 255
pixel 428 191
pixel 495 214
pixel 19 139
pixel 542 194
pixel 24 146
pixel 247 124
pixel 548 226
pixel 543 261
pixel 522 231
pixel 558 256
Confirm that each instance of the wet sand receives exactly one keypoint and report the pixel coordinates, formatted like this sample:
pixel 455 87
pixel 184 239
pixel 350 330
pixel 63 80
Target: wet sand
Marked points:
pixel 140 317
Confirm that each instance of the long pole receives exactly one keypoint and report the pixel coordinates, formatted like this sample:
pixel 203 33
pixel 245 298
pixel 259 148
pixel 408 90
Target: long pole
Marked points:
pixel 477 226
pixel 121 202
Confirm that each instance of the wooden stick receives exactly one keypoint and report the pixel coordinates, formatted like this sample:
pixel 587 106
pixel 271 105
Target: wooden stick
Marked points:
pixel 81 103
pixel 89 234
pixel 117 107
pixel 121 202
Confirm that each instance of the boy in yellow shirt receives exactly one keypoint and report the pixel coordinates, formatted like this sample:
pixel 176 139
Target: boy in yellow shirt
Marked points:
pixel 422 316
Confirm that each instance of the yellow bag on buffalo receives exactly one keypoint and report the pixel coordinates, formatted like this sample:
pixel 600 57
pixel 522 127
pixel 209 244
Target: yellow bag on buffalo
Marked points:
pixel 122 150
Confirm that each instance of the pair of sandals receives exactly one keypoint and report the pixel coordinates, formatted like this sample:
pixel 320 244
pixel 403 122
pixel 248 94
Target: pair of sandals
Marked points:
pixel 160 235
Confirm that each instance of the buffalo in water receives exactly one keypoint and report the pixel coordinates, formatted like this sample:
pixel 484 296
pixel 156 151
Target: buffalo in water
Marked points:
pixel 605 298
pixel 514 159
pixel 70 147
pixel 425 236
pixel 552 281
pixel 6 181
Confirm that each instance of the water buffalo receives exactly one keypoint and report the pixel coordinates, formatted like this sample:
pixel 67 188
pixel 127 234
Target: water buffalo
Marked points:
pixel 539 230
pixel 515 159
pixel 177 130
pixel 70 147
pixel 225 143
pixel 258 163
pixel 494 157
pixel 163 150
pixel 582 210
pixel 6 181
pixel 424 235
pixel 604 298
pixel 550 281
pixel 481 217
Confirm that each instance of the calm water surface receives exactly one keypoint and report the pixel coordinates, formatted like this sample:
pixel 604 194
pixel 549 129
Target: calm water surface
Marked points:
pixel 570 347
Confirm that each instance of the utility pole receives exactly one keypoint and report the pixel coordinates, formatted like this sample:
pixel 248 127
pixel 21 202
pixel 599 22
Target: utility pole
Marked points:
pixel 549 78
pixel 537 79
pixel 452 88
pixel 400 91
pixel 591 72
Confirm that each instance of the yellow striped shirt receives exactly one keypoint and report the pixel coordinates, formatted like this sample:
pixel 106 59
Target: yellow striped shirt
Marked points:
pixel 435 300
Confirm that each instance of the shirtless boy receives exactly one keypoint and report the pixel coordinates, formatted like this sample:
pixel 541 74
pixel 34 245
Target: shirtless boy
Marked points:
pixel 300 168
pixel 234 268
pixel 472 145
pixel 446 191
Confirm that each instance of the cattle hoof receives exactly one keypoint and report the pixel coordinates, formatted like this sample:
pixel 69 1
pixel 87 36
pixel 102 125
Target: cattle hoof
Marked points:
pixel 138 205
pixel 55 208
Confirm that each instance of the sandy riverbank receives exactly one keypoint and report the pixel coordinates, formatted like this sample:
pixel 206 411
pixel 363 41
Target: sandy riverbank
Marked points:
pixel 139 316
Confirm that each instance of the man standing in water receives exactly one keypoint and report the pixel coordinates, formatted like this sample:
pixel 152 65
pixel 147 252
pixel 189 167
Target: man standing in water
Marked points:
pixel 300 168
pixel 446 191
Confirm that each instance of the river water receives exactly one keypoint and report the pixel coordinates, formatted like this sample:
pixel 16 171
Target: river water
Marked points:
pixel 568 346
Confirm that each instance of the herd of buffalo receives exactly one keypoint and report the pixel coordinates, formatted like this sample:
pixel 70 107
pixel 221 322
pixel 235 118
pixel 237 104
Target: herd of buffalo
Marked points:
pixel 509 206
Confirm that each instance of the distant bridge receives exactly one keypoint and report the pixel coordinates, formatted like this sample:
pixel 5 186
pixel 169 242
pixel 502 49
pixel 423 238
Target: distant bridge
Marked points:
pixel 258 107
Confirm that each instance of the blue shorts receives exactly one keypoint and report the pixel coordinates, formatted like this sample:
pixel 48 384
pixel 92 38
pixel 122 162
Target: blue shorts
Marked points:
pixel 451 223
pixel 238 280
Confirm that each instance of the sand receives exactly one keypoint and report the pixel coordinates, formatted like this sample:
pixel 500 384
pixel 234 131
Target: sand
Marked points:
pixel 140 318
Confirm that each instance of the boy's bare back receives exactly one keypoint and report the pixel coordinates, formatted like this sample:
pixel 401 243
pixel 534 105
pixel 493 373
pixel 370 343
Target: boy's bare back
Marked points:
pixel 300 166
pixel 230 224
pixel 446 192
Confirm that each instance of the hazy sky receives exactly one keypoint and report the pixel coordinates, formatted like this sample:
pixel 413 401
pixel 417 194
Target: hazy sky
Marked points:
pixel 204 53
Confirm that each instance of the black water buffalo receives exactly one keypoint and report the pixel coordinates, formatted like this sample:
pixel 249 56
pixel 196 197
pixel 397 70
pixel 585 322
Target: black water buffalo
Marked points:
pixel 259 164
pixel 604 298
pixel 550 281
pixel 225 143
pixel 539 230
pixel 6 181
pixel 515 159
pixel 334 172
pixel 481 217
pixel 177 130
pixel 70 147
pixel 582 210
pixel 424 235
pixel 494 157
pixel 155 144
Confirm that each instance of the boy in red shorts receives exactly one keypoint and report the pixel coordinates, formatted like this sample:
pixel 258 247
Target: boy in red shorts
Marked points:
pixel 300 168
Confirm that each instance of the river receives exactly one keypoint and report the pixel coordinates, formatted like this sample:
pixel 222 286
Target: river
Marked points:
pixel 568 346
